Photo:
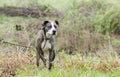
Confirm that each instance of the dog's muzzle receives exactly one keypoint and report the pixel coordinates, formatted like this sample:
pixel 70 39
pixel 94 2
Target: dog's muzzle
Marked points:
pixel 54 32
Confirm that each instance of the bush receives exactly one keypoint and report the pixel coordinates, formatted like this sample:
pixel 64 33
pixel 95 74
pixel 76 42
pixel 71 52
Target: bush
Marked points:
pixel 85 27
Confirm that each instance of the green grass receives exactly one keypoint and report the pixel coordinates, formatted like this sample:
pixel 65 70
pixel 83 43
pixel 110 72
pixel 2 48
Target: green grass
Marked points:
pixel 23 64
pixel 84 26
pixel 67 69
pixel 64 66
pixel 68 72
pixel 72 71
pixel 59 4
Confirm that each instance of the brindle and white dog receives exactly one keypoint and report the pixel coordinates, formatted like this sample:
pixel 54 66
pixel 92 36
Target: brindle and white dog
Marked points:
pixel 45 40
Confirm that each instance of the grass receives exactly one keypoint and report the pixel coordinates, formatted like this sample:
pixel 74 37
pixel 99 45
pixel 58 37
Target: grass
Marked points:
pixel 72 72
pixel 59 4
pixel 90 27
pixel 23 64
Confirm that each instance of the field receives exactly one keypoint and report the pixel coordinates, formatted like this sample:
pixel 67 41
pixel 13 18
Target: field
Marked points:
pixel 87 44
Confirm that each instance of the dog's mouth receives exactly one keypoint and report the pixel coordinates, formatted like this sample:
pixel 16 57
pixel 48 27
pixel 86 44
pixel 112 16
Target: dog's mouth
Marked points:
pixel 51 32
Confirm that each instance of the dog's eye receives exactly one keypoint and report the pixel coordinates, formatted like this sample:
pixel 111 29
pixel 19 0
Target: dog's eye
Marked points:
pixel 55 26
pixel 50 26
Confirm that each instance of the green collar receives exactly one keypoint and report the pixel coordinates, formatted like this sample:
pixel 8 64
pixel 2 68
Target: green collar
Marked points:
pixel 43 34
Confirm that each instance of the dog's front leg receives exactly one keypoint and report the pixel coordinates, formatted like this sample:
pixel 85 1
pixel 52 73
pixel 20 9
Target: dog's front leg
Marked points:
pixel 39 55
pixel 51 57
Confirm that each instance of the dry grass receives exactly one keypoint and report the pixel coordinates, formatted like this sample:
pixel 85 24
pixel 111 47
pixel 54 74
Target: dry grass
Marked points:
pixel 10 63
pixel 85 27
pixel 13 61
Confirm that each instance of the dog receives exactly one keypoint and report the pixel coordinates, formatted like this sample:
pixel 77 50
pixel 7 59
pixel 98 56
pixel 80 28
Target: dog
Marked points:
pixel 45 40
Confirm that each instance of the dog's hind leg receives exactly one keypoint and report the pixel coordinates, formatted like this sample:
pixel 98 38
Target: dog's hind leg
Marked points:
pixel 51 58
pixel 39 55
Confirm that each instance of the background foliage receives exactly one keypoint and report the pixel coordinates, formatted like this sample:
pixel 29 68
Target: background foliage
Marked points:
pixel 89 31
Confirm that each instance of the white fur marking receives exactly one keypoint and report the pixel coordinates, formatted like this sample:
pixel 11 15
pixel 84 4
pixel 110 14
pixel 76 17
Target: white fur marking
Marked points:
pixel 52 29
pixel 47 45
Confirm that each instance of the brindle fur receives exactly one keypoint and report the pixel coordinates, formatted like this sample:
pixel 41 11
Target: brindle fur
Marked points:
pixel 41 36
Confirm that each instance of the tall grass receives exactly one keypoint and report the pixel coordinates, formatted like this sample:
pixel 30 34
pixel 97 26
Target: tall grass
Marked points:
pixel 86 26
pixel 23 64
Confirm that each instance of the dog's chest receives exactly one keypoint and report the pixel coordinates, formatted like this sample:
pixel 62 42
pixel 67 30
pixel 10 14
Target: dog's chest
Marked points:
pixel 46 45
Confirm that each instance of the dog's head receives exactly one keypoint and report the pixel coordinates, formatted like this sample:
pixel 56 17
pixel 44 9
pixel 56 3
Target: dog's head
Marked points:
pixel 50 27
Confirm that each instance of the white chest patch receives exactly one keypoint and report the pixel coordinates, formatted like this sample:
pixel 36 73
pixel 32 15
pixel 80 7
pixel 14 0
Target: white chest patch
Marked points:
pixel 46 45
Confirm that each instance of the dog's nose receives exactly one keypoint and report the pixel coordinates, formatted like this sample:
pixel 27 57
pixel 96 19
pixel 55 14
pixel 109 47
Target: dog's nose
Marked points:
pixel 54 32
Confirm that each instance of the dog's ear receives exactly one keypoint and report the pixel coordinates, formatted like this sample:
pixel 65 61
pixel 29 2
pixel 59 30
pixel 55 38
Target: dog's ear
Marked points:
pixel 56 22
pixel 45 22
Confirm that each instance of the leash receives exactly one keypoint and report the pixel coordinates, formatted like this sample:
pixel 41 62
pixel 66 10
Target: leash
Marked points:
pixel 44 35
pixel 6 42
pixel 44 44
